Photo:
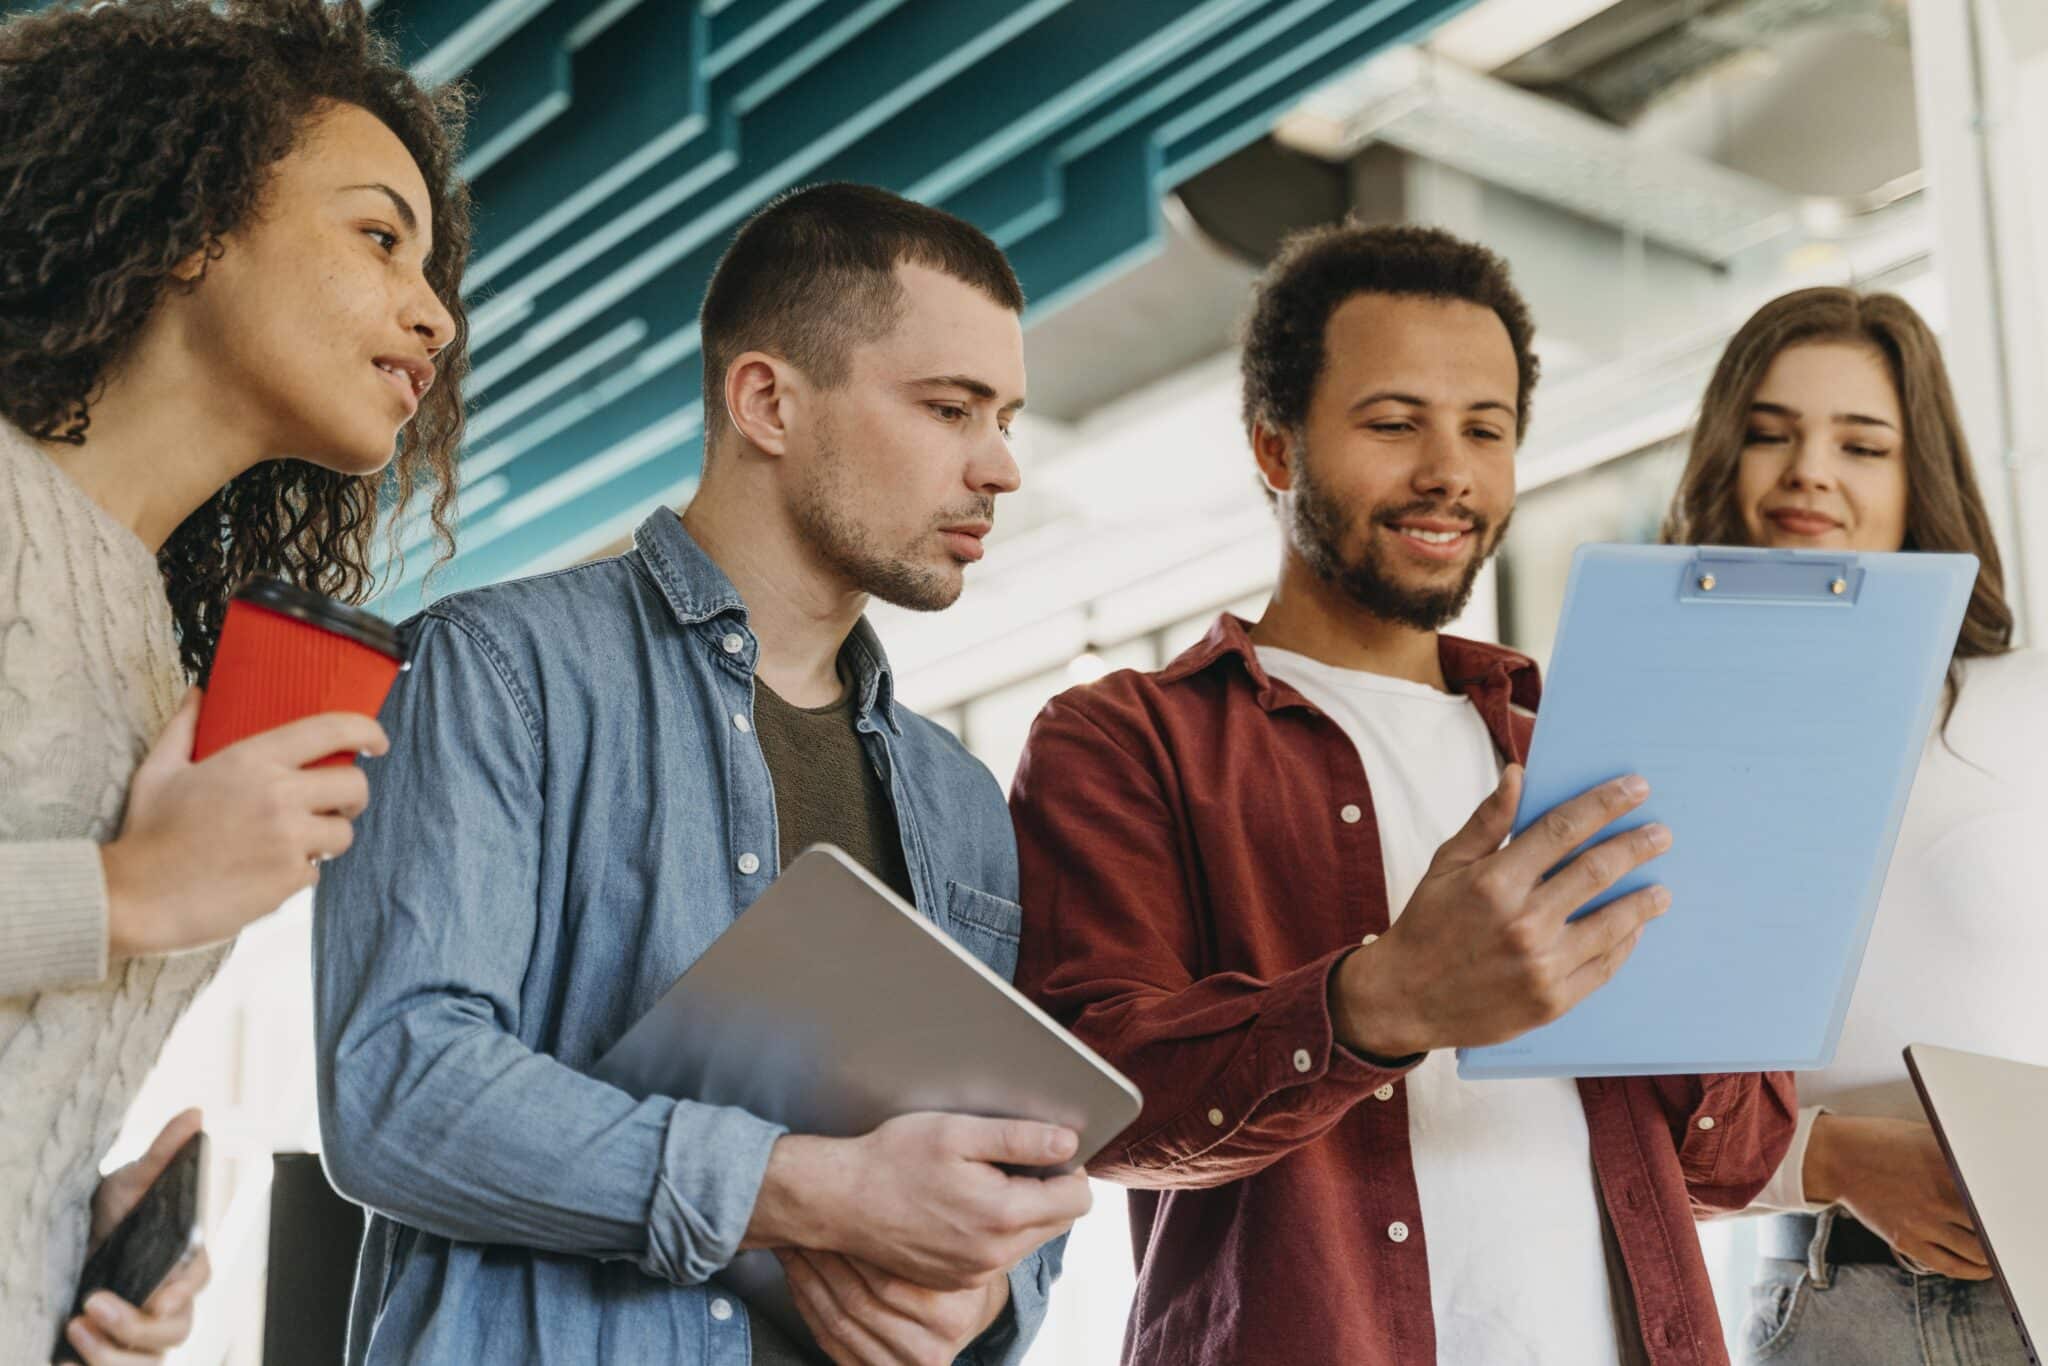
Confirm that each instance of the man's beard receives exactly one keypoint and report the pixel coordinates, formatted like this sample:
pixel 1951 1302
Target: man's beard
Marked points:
pixel 1318 525
pixel 903 577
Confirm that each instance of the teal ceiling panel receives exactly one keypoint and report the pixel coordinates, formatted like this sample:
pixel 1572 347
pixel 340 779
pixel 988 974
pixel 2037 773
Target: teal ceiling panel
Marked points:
pixel 1239 112
pixel 739 29
pixel 915 49
pixel 1056 126
pixel 441 39
pixel 1076 61
pixel 898 154
pixel 529 194
pixel 818 50
pixel 616 144
pixel 524 85
pixel 1010 204
pixel 879 159
pixel 1111 219
pixel 999 199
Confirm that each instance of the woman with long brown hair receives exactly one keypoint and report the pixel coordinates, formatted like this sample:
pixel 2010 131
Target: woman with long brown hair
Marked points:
pixel 231 243
pixel 1830 425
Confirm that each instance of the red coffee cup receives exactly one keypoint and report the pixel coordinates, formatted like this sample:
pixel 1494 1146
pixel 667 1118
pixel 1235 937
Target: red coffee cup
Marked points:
pixel 286 653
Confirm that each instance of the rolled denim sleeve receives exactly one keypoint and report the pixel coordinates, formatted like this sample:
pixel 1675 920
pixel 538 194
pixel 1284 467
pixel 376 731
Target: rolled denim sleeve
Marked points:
pixel 433 1110
pixel 1011 1335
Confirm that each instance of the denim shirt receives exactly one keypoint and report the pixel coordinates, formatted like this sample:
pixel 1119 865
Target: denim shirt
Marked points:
pixel 573 809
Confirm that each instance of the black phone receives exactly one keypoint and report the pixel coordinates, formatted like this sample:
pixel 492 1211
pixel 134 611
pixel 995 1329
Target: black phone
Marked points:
pixel 144 1248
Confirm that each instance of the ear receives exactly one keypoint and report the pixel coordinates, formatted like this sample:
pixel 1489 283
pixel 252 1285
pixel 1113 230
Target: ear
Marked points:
pixel 1273 449
pixel 758 389
pixel 192 267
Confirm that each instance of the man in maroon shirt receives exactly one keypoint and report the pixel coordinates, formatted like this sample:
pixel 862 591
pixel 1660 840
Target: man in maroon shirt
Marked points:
pixel 1212 861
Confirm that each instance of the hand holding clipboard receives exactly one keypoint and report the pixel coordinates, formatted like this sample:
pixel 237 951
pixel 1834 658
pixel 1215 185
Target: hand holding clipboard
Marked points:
pixel 1490 945
pixel 1778 702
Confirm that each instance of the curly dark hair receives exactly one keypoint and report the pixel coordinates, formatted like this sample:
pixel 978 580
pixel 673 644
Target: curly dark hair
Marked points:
pixel 1319 268
pixel 136 133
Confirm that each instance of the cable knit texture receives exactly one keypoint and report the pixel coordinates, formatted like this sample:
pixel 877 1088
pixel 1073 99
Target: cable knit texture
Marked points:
pixel 88 678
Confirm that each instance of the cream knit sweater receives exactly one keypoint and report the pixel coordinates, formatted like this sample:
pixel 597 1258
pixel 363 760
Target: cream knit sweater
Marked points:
pixel 89 676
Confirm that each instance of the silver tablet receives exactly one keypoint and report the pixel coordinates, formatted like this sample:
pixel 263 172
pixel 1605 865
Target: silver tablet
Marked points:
pixel 1987 1114
pixel 831 1006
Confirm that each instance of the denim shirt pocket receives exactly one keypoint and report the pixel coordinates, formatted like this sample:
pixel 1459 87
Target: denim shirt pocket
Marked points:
pixel 986 926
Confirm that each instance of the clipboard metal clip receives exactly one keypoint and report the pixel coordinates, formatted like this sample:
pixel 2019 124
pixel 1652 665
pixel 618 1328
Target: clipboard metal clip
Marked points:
pixel 1788 577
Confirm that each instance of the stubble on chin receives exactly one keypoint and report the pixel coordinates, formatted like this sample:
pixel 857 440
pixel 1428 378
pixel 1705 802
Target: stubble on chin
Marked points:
pixel 1320 527
pixel 900 578
pixel 913 586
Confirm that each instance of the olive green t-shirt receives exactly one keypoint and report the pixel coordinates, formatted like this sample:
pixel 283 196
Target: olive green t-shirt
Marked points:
pixel 826 790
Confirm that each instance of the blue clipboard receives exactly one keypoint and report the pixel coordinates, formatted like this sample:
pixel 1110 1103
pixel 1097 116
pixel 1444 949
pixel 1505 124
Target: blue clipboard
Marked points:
pixel 1778 702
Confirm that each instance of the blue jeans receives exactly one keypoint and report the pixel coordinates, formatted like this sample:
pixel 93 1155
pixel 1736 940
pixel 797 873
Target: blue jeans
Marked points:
pixel 1814 1313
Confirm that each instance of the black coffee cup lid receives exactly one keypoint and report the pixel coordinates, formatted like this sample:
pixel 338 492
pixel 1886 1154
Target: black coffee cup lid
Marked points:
pixel 317 609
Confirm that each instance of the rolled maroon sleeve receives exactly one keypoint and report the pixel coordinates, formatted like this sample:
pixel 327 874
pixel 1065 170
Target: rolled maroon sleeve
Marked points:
pixel 1731 1130
pixel 1236 1071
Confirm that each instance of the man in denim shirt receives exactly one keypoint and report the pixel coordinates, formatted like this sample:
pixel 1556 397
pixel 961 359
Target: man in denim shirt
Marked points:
pixel 577 803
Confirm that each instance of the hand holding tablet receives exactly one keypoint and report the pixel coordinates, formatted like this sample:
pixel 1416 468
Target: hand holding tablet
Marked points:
pixel 833 1007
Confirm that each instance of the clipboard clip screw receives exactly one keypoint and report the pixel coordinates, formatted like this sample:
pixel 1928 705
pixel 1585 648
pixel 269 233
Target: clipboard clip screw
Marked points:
pixel 1839 587
pixel 1706 583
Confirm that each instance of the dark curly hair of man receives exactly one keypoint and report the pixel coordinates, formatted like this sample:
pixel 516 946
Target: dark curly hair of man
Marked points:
pixel 136 133
pixel 1319 268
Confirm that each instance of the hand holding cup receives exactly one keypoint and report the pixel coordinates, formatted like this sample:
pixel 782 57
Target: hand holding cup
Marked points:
pixel 208 847
pixel 253 784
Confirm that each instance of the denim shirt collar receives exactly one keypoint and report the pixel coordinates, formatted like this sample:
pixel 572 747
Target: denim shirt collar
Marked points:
pixel 698 591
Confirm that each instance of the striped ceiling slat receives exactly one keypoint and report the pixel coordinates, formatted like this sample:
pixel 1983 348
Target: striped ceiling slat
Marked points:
pixel 617 144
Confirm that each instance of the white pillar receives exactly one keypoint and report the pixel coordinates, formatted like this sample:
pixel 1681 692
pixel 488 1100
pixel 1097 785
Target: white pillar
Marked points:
pixel 1981 82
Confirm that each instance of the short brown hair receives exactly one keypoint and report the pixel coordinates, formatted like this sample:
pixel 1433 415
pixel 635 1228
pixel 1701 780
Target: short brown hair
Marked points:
pixel 1318 269
pixel 1944 510
pixel 813 274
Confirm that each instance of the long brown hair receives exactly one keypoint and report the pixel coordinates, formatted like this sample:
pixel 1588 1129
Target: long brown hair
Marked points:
pixel 1944 510
pixel 135 134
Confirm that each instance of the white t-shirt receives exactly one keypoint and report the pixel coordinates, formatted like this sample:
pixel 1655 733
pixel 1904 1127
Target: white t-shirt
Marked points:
pixel 1504 1169
pixel 1956 952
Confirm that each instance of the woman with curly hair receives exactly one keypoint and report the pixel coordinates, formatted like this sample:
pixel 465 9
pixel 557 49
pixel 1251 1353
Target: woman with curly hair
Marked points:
pixel 1830 425
pixel 231 240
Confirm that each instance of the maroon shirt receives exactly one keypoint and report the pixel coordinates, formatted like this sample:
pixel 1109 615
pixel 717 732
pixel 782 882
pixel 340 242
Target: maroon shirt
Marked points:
pixel 1198 851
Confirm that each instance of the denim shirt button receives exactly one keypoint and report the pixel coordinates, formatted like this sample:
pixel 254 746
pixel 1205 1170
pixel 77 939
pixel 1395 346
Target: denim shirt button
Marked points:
pixel 749 865
pixel 732 645
pixel 741 723
pixel 721 1309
